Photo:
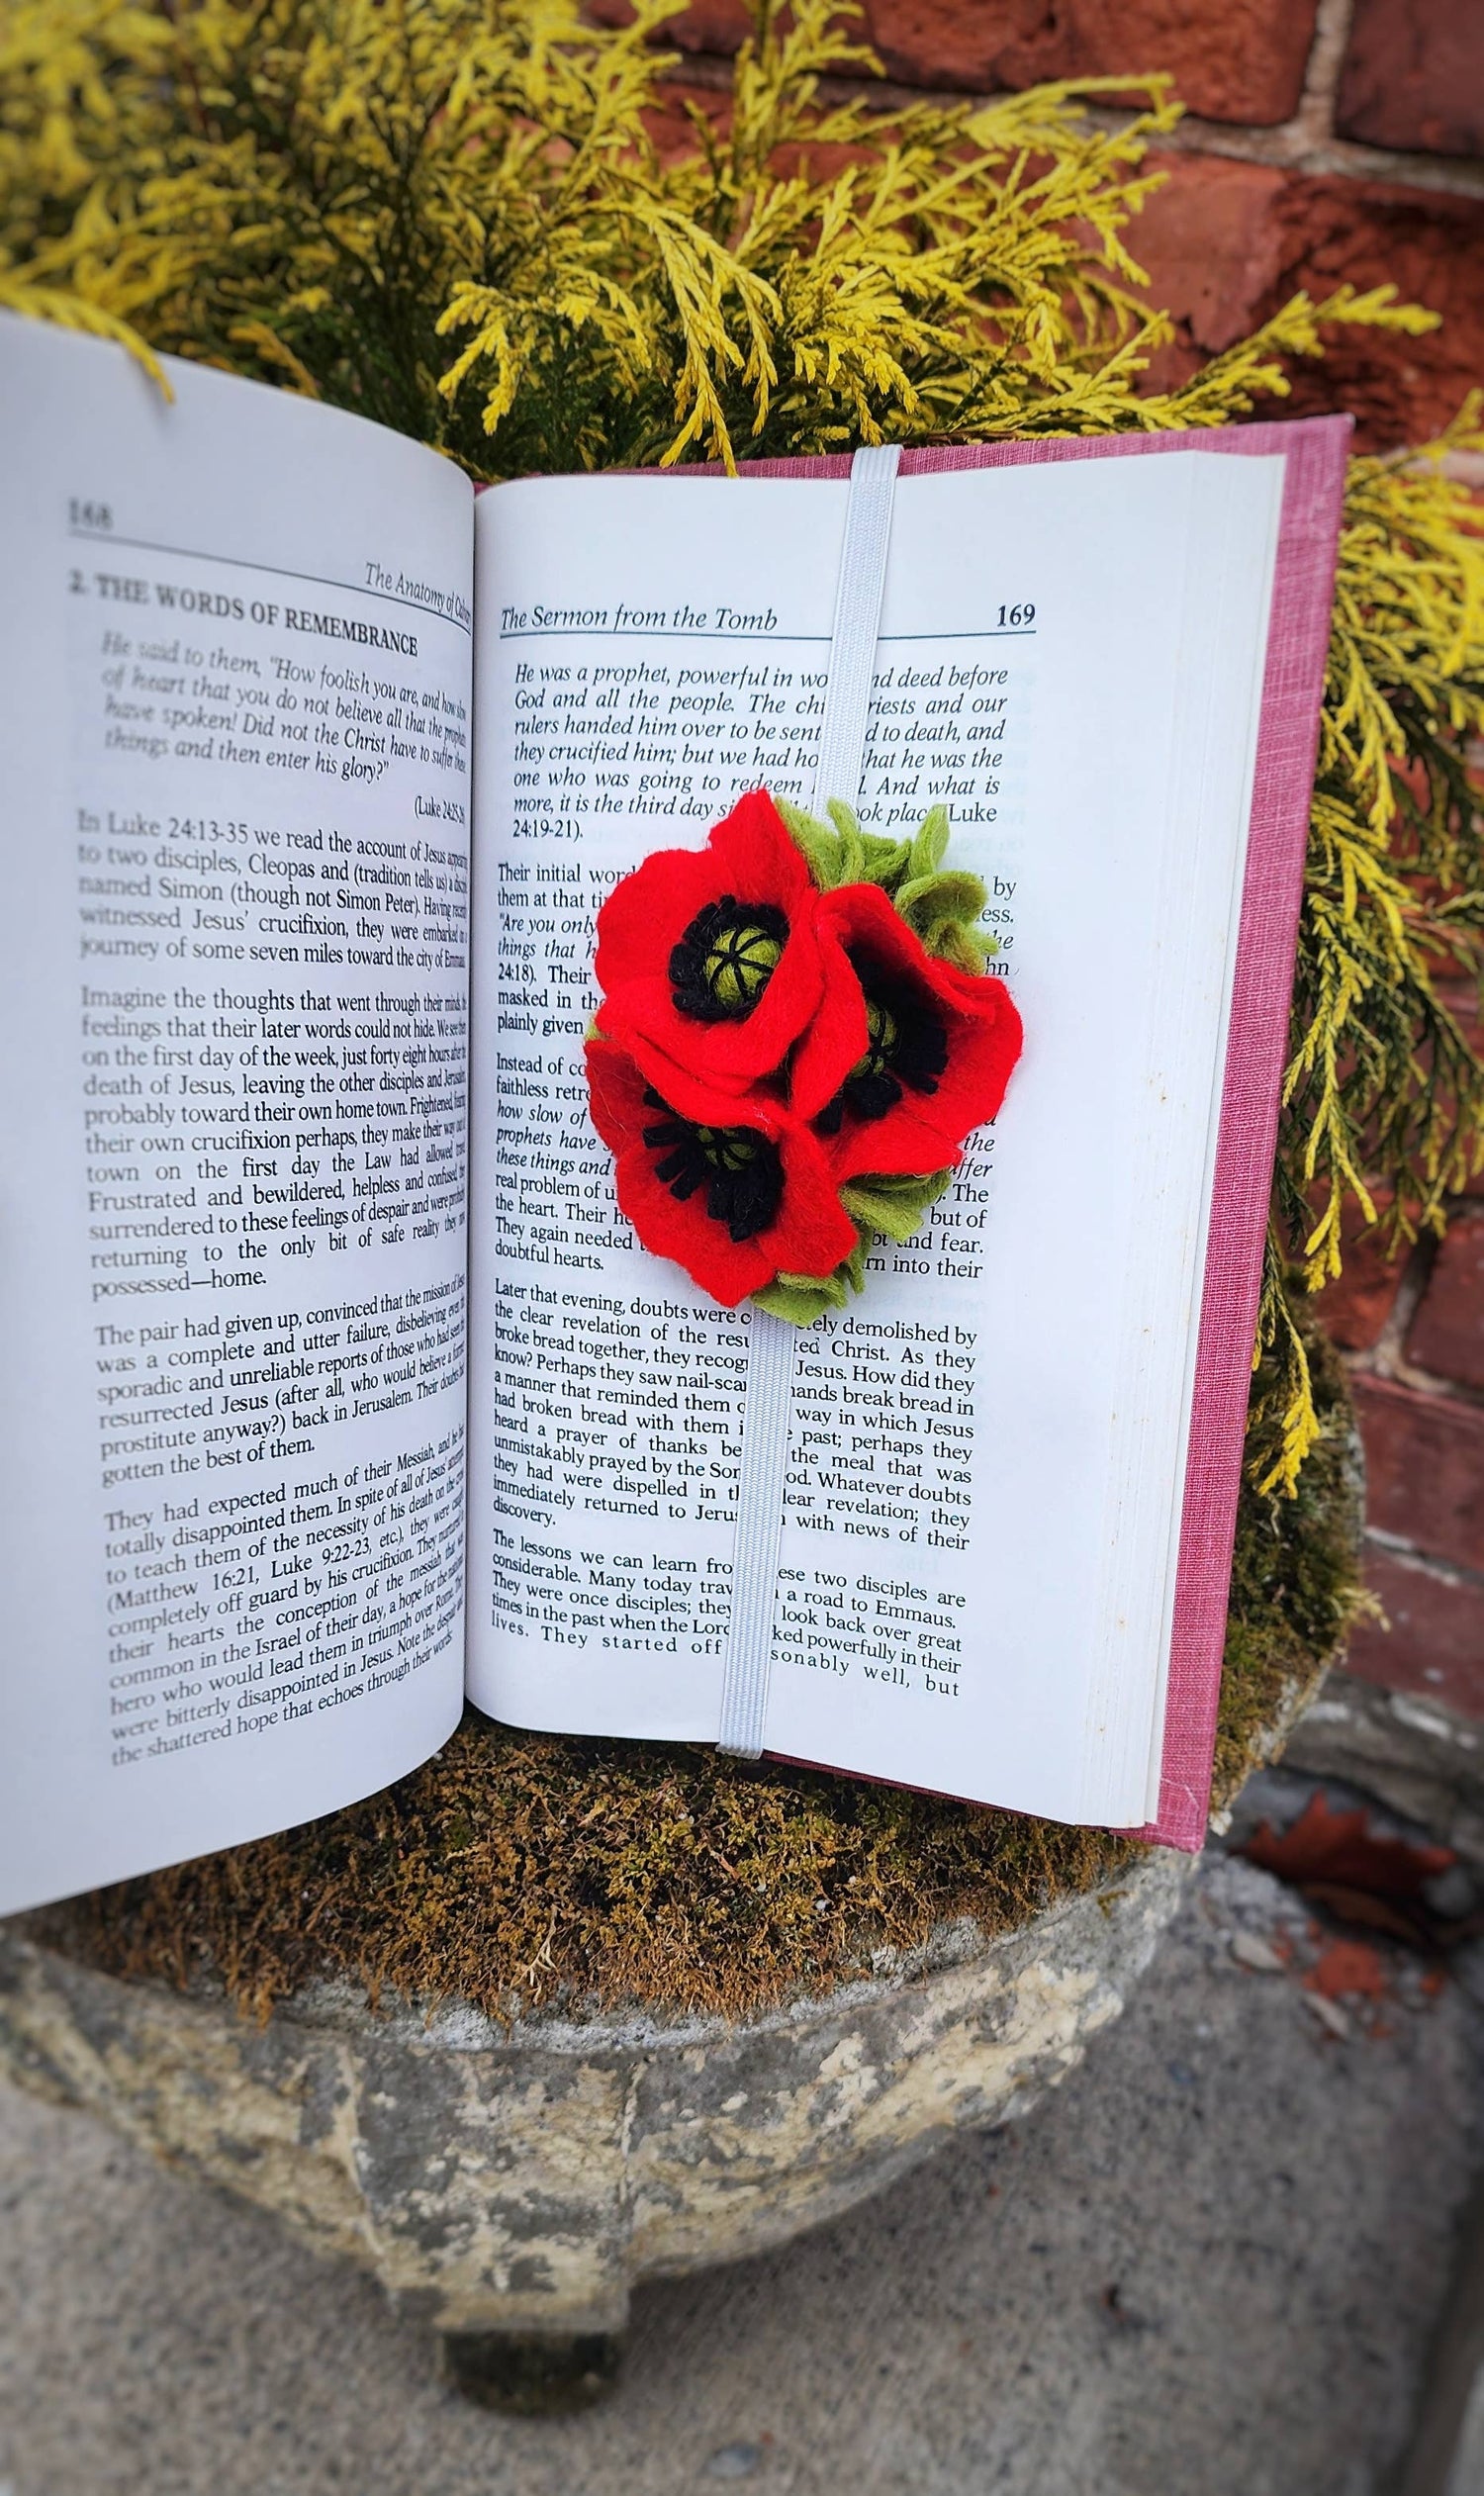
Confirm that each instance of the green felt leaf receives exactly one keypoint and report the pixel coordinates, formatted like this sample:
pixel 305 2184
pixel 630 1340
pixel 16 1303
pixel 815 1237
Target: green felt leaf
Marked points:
pixel 949 892
pixel 949 940
pixel 801 1298
pixel 852 846
pixel 886 862
pixel 894 1205
pixel 930 842
pixel 848 854
pixel 820 846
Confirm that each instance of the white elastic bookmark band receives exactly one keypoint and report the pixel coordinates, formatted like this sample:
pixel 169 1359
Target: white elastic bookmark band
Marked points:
pixel 773 1343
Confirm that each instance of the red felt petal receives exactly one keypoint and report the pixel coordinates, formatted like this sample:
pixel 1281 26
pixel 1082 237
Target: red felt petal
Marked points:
pixel 926 1130
pixel 813 1233
pixel 983 1050
pixel 728 1268
pixel 732 1057
pixel 705 1100
pixel 852 914
pixel 862 914
pixel 615 1094
pixel 751 856
pixel 754 842
pixel 835 1040
pixel 983 1027
pixel 647 913
pixel 903 1145
pixel 618 1078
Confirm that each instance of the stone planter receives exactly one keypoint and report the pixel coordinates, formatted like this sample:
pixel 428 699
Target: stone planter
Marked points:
pixel 517 2182
pixel 509 2183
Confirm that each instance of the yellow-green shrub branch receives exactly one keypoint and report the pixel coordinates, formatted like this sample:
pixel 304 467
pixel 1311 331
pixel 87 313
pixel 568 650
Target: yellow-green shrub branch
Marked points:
pixel 451 216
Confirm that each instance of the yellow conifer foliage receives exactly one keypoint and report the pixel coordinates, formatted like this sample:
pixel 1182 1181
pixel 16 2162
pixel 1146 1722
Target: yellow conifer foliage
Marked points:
pixel 452 215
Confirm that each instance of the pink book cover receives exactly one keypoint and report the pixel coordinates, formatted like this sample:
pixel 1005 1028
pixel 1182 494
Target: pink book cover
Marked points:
pixel 1315 451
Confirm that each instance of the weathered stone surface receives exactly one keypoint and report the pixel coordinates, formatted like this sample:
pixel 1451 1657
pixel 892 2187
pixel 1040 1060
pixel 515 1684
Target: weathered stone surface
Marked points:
pixel 1226 244
pixel 1209 2266
pixel 1422 1759
pixel 1413 76
pixel 519 2180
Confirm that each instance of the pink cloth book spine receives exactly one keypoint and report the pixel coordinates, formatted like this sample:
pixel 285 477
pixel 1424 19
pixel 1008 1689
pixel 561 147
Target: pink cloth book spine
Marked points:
pixel 1315 452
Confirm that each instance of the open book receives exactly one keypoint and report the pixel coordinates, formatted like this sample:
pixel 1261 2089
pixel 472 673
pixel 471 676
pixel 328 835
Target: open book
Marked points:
pixel 292 1458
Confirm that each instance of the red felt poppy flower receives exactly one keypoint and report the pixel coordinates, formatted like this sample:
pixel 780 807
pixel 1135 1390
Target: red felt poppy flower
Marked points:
pixel 737 1191
pixel 933 1050
pixel 708 960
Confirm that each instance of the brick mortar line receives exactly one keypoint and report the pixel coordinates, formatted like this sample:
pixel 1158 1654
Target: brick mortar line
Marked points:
pixel 1386 1360
pixel 1334 23
pixel 1409 1555
pixel 1288 147
pixel 1429 1383
pixel 1388 1351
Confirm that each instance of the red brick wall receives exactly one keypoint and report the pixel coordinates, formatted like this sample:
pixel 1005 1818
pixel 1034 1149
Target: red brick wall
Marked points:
pixel 1413 1334
pixel 1326 139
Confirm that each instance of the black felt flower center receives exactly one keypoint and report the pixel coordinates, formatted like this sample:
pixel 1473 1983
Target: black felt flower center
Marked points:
pixel 906 1048
pixel 725 958
pixel 740 1170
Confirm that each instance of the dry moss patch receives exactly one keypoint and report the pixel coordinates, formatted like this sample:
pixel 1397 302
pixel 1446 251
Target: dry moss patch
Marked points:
pixel 517 1870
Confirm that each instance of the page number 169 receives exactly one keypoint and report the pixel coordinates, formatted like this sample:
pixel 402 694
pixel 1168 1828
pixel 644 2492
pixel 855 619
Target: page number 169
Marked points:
pixel 1017 615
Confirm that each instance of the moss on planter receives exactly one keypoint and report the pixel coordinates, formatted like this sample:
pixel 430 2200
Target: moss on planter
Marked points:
pixel 1294 1584
pixel 518 1870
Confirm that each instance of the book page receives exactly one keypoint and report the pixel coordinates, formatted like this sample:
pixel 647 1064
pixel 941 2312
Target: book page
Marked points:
pixel 987 1445
pixel 236 683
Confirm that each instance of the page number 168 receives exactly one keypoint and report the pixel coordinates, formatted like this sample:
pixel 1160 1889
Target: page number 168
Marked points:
pixel 1017 615
pixel 85 514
